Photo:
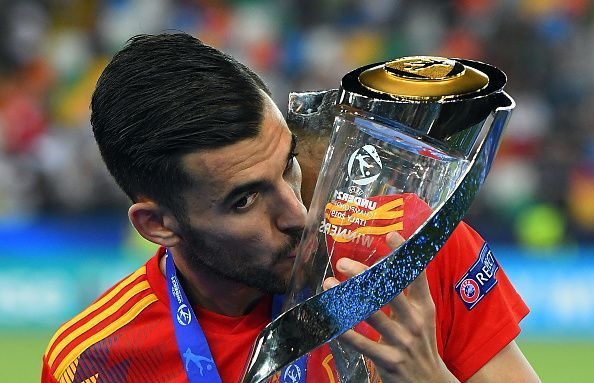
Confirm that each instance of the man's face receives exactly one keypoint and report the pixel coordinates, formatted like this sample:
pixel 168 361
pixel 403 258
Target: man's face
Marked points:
pixel 245 216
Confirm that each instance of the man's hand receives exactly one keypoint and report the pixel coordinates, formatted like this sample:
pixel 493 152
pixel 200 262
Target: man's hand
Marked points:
pixel 407 350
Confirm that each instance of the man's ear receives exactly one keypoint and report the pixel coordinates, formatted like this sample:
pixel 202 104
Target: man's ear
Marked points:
pixel 154 223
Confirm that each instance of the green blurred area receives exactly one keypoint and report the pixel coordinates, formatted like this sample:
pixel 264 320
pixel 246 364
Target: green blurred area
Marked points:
pixel 558 361
pixel 554 361
pixel 20 355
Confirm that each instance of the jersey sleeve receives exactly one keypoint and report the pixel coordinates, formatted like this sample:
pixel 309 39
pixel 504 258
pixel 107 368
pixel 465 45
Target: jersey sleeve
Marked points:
pixel 480 310
pixel 46 375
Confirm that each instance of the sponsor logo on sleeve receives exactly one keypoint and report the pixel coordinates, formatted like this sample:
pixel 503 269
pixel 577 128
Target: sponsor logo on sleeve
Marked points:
pixel 479 279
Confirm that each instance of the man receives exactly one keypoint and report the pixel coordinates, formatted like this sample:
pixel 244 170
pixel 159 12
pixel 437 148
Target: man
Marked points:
pixel 195 141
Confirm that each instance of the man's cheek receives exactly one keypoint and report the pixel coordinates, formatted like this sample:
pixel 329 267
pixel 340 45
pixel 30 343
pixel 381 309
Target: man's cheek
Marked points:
pixel 248 240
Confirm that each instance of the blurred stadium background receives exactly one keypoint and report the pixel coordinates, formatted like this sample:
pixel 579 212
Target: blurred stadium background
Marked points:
pixel 64 234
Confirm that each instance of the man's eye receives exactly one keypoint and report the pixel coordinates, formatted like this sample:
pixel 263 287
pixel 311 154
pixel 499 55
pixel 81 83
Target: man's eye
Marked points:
pixel 245 202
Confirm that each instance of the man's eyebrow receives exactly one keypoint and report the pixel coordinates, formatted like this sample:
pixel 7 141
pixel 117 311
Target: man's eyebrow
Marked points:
pixel 294 141
pixel 259 184
pixel 247 187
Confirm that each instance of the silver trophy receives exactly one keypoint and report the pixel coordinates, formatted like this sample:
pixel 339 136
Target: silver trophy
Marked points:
pixel 411 142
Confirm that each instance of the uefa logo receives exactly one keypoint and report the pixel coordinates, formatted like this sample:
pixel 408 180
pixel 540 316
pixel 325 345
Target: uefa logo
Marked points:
pixel 469 291
pixel 184 317
pixel 365 165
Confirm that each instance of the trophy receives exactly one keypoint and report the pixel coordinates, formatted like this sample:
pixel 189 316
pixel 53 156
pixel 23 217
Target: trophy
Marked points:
pixel 411 142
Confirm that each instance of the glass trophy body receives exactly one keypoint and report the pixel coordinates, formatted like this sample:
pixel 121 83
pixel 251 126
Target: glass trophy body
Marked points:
pixel 411 140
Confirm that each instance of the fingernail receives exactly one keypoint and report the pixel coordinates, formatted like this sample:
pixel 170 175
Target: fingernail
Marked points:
pixel 394 239
pixel 331 282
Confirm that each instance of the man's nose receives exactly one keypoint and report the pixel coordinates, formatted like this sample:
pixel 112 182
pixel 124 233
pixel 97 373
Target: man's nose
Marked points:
pixel 291 212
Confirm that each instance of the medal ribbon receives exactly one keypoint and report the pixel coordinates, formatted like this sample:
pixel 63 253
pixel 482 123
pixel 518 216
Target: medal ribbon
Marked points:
pixel 191 341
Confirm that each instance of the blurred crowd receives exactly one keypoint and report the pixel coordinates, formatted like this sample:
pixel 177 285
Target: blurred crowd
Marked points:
pixel 540 192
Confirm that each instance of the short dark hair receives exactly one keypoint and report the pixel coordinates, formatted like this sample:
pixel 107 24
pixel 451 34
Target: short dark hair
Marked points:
pixel 164 96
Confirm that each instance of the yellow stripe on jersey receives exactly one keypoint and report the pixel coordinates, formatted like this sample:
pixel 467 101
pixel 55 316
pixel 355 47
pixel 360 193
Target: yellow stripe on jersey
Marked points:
pixel 122 285
pixel 68 375
pixel 92 379
pixel 98 318
pixel 107 331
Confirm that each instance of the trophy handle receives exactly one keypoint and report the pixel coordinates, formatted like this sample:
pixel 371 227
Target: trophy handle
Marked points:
pixel 312 112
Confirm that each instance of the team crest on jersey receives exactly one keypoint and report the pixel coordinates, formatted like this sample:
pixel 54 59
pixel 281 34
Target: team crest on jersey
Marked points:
pixel 479 279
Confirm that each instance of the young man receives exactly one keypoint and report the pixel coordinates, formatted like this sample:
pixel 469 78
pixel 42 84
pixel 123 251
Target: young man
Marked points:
pixel 195 141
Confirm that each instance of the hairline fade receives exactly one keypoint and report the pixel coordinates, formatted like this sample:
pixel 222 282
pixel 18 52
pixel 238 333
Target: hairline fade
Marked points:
pixel 162 97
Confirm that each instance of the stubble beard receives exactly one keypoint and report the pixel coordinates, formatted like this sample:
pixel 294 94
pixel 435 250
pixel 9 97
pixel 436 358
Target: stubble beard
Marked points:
pixel 235 266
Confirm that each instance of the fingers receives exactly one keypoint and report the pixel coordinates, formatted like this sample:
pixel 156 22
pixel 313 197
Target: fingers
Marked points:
pixel 393 240
pixel 391 331
pixel 346 266
pixel 399 306
pixel 383 355
pixel 349 267
pixel 330 283
pixel 359 342
pixel 417 294
pixel 407 317
pixel 418 290
pixel 379 320
pixel 407 333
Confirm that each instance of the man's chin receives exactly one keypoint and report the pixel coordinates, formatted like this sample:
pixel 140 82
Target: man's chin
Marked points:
pixel 270 280
pixel 278 287
pixel 279 281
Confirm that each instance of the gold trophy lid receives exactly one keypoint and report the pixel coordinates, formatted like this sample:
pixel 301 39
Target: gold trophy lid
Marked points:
pixel 424 78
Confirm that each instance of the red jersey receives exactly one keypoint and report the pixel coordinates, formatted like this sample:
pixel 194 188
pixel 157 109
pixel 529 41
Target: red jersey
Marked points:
pixel 127 334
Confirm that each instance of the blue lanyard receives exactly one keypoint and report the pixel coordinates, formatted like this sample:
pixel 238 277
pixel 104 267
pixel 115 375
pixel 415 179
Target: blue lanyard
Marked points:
pixel 191 341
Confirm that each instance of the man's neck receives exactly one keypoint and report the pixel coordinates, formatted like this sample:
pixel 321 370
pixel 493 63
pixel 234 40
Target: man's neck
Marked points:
pixel 212 291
